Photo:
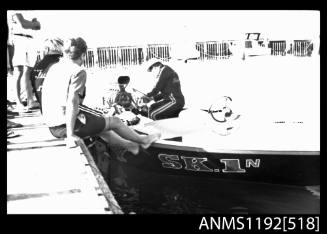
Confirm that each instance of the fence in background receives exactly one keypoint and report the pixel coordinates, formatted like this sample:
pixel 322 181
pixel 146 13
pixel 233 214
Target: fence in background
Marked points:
pixel 110 57
pixel 213 50
pixel 298 48
pixel 302 48
pixel 159 51
pixel 278 47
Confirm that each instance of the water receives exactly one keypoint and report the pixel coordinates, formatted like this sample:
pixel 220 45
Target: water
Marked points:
pixel 142 192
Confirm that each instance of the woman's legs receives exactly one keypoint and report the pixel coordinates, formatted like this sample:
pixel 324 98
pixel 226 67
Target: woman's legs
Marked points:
pixel 113 139
pixel 11 49
pixel 23 72
pixel 18 73
pixel 112 129
pixel 115 124
pixel 28 86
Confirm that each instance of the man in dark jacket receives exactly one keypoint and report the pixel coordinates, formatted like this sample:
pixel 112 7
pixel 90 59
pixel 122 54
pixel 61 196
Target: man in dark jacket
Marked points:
pixel 167 94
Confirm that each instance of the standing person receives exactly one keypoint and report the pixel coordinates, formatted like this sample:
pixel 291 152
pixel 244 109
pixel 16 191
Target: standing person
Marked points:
pixel 10 124
pixel 10 46
pixel 167 94
pixel 25 54
pixel 66 117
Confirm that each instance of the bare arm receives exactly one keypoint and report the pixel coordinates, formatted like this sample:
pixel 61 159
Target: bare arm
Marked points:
pixel 77 85
pixel 34 24
pixel 71 112
pixel 134 103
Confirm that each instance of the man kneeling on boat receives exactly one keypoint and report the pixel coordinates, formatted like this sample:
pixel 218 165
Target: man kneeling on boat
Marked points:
pixel 167 96
pixel 66 117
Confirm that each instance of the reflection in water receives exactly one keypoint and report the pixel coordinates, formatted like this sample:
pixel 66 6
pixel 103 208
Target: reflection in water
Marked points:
pixel 143 192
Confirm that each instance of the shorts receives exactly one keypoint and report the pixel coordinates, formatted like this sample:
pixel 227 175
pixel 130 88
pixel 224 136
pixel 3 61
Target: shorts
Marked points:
pixel 25 52
pixel 89 123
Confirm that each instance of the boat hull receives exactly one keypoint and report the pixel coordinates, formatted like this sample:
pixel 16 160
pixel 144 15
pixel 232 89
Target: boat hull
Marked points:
pixel 278 167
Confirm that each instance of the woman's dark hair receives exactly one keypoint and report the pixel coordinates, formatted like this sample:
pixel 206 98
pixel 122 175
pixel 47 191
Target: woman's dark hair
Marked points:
pixel 75 47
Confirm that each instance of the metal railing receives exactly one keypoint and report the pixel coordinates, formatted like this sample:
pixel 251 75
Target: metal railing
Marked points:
pixel 298 48
pixel 302 48
pixel 159 51
pixel 111 57
pixel 120 55
pixel 213 50
pixel 278 47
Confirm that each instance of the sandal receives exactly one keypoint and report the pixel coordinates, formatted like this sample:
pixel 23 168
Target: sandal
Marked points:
pixel 33 106
pixel 22 109
pixel 13 125
pixel 12 134
pixel 14 113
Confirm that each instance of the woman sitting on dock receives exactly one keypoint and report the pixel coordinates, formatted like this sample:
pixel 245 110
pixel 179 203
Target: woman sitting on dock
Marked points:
pixel 66 117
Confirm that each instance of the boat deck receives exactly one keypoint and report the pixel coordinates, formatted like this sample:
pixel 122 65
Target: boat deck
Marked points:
pixel 300 138
pixel 44 176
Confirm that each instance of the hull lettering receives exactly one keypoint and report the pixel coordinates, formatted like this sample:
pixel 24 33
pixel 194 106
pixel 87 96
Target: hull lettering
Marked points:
pixel 169 161
pixel 203 164
pixel 195 164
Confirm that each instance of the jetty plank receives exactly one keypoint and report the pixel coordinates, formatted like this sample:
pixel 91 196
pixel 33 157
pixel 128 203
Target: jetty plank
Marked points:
pixel 44 176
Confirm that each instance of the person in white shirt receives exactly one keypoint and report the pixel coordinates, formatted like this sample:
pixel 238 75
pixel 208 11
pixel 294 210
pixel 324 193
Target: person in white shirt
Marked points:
pixel 63 112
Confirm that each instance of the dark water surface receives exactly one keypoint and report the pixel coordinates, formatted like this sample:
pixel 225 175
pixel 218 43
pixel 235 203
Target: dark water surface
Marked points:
pixel 142 192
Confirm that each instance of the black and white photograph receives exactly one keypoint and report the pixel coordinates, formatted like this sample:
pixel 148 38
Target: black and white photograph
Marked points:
pixel 163 112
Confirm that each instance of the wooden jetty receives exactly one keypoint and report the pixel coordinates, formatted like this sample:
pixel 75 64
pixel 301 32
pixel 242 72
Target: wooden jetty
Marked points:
pixel 46 177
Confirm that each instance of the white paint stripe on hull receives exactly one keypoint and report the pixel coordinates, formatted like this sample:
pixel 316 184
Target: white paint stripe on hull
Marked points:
pixel 165 144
